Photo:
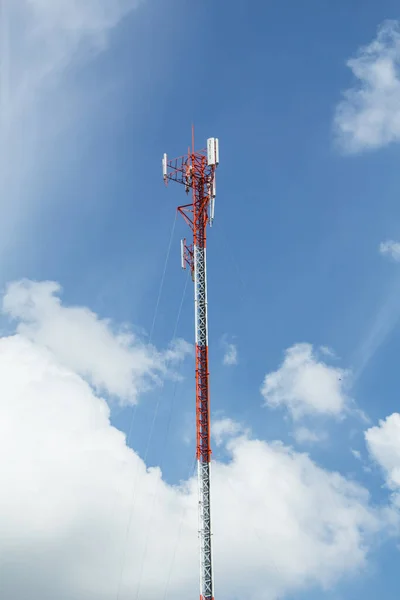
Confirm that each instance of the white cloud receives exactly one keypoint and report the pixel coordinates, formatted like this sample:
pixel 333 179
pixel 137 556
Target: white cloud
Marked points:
pixel 390 248
pixel 47 37
pixel 231 355
pixel 70 483
pixel 306 385
pixel 382 324
pixel 328 352
pixel 369 115
pixel 224 429
pixel 383 443
pixel 230 352
pixel 303 435
pixel 116 362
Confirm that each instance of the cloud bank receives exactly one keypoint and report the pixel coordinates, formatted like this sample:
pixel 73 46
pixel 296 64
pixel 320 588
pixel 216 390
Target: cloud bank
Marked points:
pixel 70 486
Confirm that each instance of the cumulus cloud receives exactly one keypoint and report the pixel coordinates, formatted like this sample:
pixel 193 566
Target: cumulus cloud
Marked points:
pixel 391 249
pixel 70 486
pixel 114 361
pixel 224 429
pixel 383 442
pixel 368 117
pixel 306 385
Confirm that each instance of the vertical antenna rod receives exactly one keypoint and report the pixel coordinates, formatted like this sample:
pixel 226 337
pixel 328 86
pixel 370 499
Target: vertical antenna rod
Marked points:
pixel 196 171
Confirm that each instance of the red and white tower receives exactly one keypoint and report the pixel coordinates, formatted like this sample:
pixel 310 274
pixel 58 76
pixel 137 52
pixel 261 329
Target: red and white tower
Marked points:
pixel 196 171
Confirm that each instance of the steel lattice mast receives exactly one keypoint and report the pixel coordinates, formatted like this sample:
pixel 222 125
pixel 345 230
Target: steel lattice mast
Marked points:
pixel 196 171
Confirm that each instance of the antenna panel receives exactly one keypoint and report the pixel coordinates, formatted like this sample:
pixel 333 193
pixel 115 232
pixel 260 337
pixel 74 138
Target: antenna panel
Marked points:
pixel 183 265
pixel 165 166
pixel 211 151
pixel 212 210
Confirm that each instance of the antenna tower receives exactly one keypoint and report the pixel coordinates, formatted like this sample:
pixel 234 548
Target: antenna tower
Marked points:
pixel 196 172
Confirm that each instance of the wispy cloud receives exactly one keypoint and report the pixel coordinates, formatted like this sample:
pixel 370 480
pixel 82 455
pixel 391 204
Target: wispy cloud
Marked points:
pixel 304 435
pixel 369 115
pixel 41 43
pixel 230 357
pixel 391 249
pixel 49 37
pixel 382 324
pixel 386 318
pixel 328 352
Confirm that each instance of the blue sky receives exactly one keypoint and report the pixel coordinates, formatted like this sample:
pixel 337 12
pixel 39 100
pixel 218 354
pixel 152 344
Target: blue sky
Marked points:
pixel 306 195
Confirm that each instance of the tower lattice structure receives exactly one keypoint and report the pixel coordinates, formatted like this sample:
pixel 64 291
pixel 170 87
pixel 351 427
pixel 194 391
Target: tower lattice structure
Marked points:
pixel 196 172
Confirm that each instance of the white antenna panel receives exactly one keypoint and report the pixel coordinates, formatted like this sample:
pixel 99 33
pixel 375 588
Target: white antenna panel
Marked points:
pixel 211 151
pixel 165 166
pixel 183 254
pixel 212 210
